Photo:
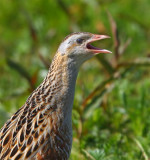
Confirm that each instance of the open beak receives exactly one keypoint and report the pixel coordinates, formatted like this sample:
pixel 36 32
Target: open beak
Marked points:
pixel 96 50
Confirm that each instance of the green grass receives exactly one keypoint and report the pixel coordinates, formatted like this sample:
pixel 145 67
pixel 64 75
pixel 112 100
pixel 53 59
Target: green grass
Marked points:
pixel 112 101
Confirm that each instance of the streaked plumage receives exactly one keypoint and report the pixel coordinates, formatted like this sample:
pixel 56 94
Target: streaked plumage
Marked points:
pixel 42 129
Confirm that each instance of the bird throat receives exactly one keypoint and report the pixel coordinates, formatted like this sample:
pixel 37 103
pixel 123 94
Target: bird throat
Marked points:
pixel 59 85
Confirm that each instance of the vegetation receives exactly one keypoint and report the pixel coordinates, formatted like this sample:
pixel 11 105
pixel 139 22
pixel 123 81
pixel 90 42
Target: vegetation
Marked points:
pixel 111 113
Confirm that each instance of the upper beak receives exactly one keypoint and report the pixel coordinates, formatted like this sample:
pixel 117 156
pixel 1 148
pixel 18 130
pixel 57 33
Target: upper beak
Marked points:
pixel 96 50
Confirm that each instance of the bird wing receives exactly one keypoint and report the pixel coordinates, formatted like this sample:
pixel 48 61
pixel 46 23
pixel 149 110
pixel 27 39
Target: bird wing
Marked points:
pixel 24 134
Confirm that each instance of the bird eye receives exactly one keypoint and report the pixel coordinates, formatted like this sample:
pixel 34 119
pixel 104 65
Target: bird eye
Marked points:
pixel 80 40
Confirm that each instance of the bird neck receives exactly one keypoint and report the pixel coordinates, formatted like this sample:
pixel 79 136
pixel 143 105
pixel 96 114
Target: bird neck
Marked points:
pixel 60 83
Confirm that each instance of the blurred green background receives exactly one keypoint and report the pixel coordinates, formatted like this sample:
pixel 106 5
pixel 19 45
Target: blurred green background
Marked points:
pixel 111 113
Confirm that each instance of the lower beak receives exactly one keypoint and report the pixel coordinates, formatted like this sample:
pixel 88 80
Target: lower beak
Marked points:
pixel 96 50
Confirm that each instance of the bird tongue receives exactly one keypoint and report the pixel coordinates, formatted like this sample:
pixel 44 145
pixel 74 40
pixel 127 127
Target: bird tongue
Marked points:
pixel 95 49
pixel 89 46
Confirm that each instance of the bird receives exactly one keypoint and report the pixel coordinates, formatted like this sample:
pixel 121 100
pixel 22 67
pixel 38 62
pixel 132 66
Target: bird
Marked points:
pixel 42 128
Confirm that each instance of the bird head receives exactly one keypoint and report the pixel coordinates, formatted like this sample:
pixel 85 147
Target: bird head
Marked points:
pixel 77 46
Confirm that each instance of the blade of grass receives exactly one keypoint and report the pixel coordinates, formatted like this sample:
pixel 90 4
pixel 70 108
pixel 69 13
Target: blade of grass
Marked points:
pixel 103 87
pixel 88 154
pixel 21 71
pixel 141 148
pixel 115 36
pixel 107 66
